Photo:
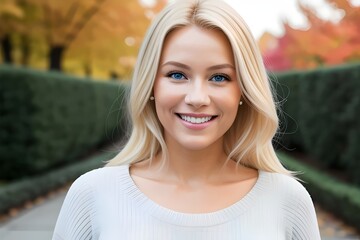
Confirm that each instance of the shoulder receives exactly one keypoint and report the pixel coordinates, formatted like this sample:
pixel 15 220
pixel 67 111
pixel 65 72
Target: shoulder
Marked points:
pixel 86 198
pixel 289 194
pixel 284 185
pixel 104 173
pixel 297 208
pixel 90 187
pixel 97 178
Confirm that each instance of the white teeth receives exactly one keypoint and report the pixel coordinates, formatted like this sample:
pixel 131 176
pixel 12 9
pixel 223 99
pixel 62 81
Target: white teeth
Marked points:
pixel 194 119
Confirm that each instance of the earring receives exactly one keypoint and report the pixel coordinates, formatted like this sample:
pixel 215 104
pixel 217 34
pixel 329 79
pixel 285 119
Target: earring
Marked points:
pixel 240 103
pixel 152 98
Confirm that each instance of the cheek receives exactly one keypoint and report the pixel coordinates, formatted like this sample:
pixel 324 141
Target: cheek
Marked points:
pixel 233 96
pixel 229 103
pixel 163 89
pixel 166 96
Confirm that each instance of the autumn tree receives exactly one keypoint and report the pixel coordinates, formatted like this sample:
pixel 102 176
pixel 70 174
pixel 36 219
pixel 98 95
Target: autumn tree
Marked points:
pixel 322 43
pixel 62 21
pixel 272 49
pixel 110 41
pixel 346 34
pixel 10 14
pixel 86 34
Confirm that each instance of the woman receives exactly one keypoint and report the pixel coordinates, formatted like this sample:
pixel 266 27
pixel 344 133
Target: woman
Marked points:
pixel 199 163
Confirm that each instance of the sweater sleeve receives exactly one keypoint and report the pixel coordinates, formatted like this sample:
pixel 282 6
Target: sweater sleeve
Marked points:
pixel 302 216
pixel 75 218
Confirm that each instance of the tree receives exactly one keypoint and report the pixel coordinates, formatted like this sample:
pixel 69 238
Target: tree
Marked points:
pixel 10 14
pixel 322 43
pixel 273 54
pixel 62 23
pixel 110 41
pixel 91 36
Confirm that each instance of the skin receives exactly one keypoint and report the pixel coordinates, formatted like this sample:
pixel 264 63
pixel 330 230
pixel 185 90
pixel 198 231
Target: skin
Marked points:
pixel 196 78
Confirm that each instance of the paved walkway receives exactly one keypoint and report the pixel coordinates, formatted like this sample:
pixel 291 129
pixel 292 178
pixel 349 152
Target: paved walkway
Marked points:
pixel 332 228
pixel 37 222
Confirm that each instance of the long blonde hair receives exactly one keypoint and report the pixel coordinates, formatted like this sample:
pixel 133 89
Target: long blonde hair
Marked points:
pixel 249 140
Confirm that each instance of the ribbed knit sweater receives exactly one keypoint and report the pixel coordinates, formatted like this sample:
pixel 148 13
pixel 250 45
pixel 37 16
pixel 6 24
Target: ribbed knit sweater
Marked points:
pixel 106 204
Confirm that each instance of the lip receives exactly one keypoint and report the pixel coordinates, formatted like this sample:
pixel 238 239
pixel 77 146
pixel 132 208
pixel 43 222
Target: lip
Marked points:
pixel 196 126
pixel 197 115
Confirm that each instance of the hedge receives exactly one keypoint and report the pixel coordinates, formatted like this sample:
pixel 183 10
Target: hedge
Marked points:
pixel 17 193
pixel 341 199
pixel 321 115
pixel 48 119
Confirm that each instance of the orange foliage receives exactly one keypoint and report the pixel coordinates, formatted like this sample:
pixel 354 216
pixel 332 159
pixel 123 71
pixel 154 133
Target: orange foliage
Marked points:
pixel 323 43
pixel 92 37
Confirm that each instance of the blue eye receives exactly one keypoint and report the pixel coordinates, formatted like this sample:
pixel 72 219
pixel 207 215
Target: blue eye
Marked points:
pixel 176 75
pixel 219 78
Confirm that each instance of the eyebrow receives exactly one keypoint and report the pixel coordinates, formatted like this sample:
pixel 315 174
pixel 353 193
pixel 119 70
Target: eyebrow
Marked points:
pixel 220 66
pixel 177 64
pixel 215 67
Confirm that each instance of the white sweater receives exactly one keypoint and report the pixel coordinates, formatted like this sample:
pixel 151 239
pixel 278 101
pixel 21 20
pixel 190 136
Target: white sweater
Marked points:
pixel 106 204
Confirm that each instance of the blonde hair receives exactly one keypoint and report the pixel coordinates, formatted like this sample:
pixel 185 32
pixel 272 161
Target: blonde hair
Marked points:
pixel 249 140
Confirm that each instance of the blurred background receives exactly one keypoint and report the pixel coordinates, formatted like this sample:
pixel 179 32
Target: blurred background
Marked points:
pixel 65 66
pixel 101 38
pixel 98 38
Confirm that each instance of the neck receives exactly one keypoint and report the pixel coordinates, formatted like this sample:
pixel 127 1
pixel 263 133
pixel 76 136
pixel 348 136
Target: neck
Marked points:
pixel 190 166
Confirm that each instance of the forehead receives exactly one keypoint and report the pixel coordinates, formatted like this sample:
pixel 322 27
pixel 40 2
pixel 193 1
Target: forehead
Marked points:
pixel 196 41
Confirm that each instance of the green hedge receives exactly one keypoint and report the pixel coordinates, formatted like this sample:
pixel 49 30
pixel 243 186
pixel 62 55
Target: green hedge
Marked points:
pixel 17 193
pixel 341 199
pixel 321 115
pixel 48 119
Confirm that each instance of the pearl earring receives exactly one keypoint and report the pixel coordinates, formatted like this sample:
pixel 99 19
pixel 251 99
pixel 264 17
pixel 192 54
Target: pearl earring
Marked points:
pixel 240 103
pixel 152 98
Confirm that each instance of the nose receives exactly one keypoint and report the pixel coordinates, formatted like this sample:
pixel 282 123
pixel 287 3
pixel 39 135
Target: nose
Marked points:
pixel 197 94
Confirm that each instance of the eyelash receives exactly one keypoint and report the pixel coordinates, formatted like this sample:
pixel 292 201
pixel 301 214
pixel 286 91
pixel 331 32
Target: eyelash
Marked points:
pixel 169 75
pixel 225 76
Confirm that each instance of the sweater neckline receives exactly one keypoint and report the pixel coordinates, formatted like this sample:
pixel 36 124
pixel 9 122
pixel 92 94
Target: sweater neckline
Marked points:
pixel 173 217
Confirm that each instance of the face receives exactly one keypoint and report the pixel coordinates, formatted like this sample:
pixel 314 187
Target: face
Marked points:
pixel 196 89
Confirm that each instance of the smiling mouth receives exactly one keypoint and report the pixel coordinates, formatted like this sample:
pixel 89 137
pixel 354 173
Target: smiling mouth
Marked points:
pixel 195 120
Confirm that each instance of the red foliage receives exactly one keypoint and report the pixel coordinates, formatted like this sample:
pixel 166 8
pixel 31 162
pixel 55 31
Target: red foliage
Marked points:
pixel 323 43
